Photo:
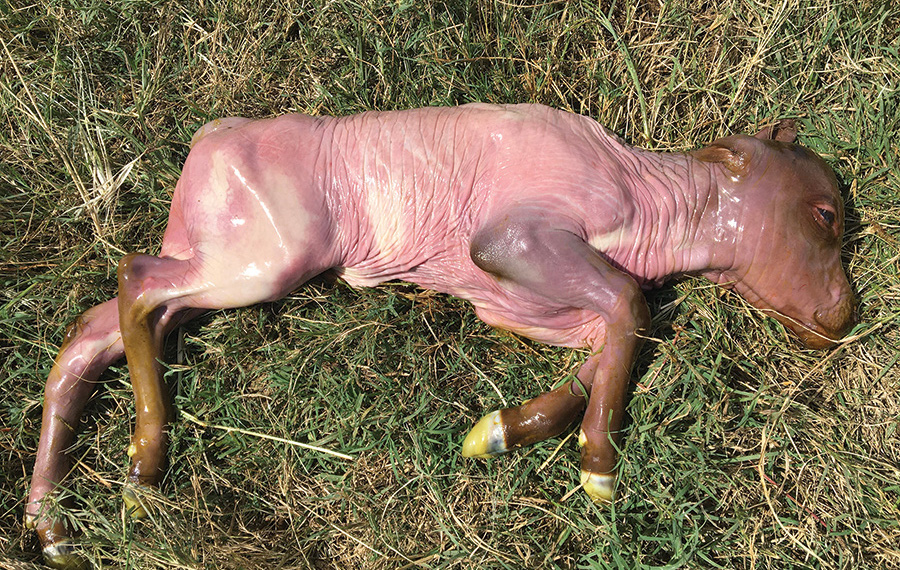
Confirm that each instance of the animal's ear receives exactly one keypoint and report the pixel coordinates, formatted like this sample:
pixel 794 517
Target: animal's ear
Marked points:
pixel 731 152
pixel 784 131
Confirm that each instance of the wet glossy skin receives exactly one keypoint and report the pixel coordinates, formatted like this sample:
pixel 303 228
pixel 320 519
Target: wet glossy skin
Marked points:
pixel 548 224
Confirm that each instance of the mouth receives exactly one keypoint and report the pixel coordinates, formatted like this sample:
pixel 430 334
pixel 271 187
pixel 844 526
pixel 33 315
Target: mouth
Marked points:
pixel 823 329
pixel 816 336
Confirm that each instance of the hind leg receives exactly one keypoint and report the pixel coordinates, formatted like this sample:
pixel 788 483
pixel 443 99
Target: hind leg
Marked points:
pixel 139 320
pixel 92 343
pixel 152 289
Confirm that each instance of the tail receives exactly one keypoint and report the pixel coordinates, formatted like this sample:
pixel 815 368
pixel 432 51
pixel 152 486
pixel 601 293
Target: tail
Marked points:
pixel 217 125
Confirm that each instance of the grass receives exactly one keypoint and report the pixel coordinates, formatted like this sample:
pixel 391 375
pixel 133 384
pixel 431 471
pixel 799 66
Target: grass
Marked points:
pixel 742 450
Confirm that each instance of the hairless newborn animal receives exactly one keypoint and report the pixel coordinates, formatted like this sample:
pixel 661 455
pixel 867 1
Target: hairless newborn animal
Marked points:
pixel 548 224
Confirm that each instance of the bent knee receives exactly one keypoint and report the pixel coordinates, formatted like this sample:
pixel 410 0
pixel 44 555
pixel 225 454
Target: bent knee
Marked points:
pixel 630 312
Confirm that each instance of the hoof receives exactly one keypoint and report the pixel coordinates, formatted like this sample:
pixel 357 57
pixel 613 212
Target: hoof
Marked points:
pixel 57 550
pixel 62 555
pixel 487 438
pixel 135 506
pixel 600 487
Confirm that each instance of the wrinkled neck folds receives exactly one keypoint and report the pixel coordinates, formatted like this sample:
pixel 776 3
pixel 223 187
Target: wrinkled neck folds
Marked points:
pixel 676 228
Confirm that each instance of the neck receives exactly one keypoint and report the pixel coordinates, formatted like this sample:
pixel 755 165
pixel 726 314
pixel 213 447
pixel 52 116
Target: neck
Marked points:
pixel 680 226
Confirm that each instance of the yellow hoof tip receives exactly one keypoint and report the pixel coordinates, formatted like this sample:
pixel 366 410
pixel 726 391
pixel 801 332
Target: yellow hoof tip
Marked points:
pixel 486 438
pixel 600 487
pixel 134 506
pixel 582 439
pixel 62 555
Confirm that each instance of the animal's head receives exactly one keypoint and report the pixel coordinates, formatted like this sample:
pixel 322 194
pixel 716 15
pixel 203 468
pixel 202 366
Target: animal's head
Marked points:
pixel 783 201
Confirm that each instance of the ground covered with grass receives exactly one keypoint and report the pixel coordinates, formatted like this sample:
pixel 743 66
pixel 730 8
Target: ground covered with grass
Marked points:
pixel 742 449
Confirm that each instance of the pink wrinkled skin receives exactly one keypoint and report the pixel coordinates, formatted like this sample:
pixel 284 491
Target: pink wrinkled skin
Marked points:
pixel 542 219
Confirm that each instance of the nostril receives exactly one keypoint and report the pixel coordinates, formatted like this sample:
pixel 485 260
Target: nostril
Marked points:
pixel 837 319
pixel 821 318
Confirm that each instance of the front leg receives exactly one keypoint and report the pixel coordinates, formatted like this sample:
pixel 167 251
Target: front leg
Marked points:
pixel 533 254
pixel 601 427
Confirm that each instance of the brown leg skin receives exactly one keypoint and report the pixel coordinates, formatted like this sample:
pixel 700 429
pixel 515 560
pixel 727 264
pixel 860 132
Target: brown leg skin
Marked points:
pixel 600 429
pixel 540 418
pixel 142 339
pixel 152 292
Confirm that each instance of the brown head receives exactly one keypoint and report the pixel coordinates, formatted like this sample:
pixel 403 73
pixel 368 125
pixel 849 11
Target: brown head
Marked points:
pixel 784 203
